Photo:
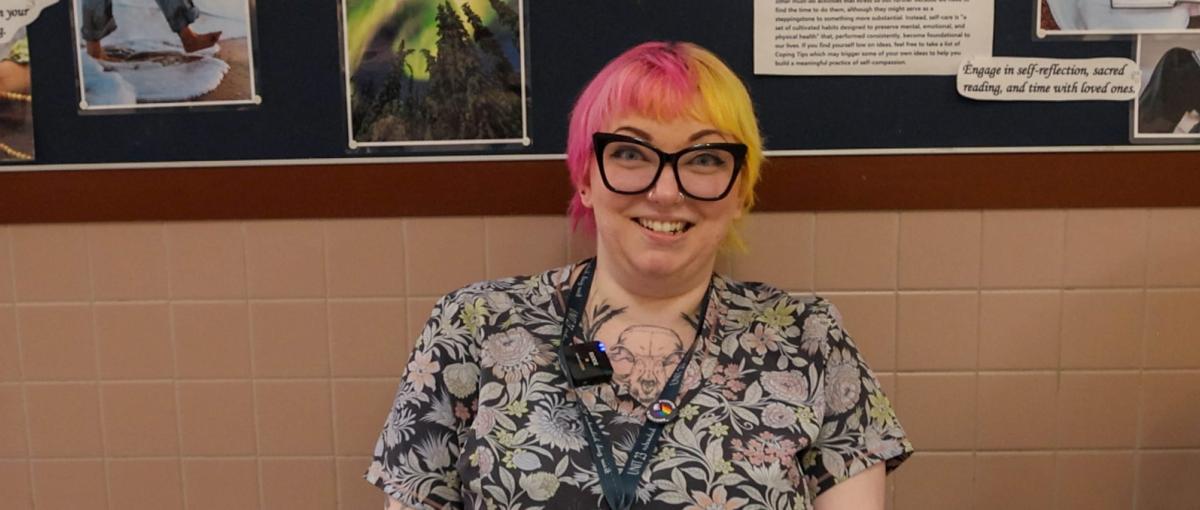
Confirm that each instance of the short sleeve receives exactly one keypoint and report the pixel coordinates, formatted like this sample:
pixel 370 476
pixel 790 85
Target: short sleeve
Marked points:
pixel 859 427
pixel 415 456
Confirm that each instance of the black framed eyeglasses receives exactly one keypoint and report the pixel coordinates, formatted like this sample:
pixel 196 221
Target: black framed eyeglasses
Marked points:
pixel 630 166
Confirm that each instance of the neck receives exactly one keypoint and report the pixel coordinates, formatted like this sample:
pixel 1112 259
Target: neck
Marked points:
pixel 672 295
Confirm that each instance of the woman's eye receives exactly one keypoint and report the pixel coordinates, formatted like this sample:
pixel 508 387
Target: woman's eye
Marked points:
pixel 707 159
pixel 627 154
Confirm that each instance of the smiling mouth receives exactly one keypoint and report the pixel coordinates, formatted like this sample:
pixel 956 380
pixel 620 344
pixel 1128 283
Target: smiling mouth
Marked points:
pixel 664 227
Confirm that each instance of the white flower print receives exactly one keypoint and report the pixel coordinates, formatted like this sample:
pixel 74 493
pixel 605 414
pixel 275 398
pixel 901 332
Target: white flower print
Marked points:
pixel 816 330
pixel 778 416
pixel 421 369
pixel 514 354
pixel 485 420
pixel 462 379
pixel 789 386
pixel 842 384
pixel 557 425
pixel 540 486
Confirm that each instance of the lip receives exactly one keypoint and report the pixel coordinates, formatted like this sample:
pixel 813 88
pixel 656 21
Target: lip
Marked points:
pixel 660 237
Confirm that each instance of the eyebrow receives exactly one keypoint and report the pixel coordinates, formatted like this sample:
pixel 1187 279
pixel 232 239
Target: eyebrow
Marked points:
pixel 646 136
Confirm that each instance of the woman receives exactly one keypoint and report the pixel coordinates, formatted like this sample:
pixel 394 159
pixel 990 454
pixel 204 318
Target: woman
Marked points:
pixel 722 394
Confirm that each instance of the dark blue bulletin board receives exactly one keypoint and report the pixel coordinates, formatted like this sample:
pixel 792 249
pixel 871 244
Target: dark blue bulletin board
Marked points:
pixel 302 114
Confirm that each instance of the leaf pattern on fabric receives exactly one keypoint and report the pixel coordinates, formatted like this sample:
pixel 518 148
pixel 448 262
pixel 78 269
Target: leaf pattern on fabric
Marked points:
pixel 777 406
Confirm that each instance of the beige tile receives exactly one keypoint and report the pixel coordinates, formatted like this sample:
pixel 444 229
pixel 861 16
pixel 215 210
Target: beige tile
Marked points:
pixel 856 250
pixel 63 484
pixel 1105 248
pixel 6 276
pixel 134 341
pixel 1014 411
pixel 56 342
pixel 353 491
pixel 299 484
pixel 139 419
pixel 145 484
pixel 1170 416
pixel 129 261
pixel 216 418
pixel 1086 400
pixel 294 418
pixel 212 484
pixel 1167 480
pixel 369 338
pixel 581 243
pixel 939 249
pixel 285 259
pixel 212 340
pixel 64 420
pixel 1004 481
pixel 1171 324
pixel 290 339
pixel 50 263
pixel 779 250
pixel 1102 328
pixel 206 260
pixel 10 352
pixel 419 310
pixel 361 407
pixel 937 331
pixel 14 484
pixel 12 422
pixel 365 257
pixel 870 319
pixel 524 245
pixel 1094 480
pixel 1019 330
pixel 1174 248
pixel 938 410
pixel 1022 248
pixel 887 383
pixel 938 480
pixel 443 254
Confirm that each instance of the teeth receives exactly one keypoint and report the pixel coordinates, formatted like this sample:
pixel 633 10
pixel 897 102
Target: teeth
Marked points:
pixel 670 227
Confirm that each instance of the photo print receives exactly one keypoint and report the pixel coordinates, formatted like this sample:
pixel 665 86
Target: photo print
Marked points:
pixel 434 72
pixel 135 54
pixel 1169 105
pixel 1097 17
pixel 16 101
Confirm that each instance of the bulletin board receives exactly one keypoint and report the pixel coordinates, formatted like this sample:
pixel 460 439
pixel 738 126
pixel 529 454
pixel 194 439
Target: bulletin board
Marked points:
pixel 834 142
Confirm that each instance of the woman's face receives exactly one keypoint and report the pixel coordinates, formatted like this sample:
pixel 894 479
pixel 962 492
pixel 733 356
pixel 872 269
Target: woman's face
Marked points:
pixel 661 234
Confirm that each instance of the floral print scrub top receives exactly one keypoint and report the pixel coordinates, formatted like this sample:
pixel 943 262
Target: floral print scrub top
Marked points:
pixel 776 407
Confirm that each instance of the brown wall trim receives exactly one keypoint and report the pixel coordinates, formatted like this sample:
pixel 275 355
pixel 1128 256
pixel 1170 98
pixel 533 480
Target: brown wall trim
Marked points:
pixel 977 181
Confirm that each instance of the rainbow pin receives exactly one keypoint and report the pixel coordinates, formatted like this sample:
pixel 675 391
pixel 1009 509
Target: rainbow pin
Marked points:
pixel 661 411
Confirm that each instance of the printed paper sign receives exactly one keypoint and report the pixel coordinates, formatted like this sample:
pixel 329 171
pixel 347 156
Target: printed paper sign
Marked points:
pixel 876 37
pixel 15 14
pixel 1047 79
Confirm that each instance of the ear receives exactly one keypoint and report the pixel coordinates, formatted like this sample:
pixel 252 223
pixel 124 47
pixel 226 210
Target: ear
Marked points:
pixel 585 196
pixel 585 192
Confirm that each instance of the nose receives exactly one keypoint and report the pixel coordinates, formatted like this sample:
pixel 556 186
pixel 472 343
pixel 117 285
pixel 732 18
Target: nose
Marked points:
pixel 666 189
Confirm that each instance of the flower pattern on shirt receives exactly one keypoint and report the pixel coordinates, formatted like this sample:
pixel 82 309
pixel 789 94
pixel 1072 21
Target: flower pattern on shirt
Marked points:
pixel 777 406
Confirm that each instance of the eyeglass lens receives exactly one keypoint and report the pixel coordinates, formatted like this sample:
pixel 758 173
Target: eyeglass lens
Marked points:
pixel 703 172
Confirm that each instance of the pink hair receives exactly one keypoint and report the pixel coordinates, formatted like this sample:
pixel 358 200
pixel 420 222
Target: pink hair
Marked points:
pixel 661 81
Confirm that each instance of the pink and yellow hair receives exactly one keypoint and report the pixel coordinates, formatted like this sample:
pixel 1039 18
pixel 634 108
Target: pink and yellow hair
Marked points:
pixel 662 81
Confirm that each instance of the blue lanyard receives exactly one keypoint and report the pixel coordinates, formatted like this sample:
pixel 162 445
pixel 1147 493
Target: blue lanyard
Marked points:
pixel 620 489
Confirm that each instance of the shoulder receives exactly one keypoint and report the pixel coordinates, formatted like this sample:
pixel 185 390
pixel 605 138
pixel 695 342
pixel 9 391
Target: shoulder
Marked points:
pixel 502 294
pixel 761 296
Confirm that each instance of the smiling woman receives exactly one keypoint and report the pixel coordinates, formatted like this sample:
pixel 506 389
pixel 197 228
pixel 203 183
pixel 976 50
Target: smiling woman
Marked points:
pixel 640 378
